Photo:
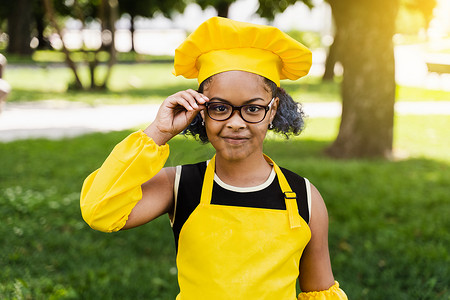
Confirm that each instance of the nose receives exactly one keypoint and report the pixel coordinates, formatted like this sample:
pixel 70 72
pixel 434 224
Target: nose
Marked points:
pixel 236 122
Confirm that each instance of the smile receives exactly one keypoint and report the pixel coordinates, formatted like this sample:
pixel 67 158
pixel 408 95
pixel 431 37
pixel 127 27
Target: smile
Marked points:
pixel 235 140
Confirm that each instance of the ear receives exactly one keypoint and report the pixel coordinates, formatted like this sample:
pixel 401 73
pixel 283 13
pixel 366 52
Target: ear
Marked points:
pixel 202 113
pixel 274 109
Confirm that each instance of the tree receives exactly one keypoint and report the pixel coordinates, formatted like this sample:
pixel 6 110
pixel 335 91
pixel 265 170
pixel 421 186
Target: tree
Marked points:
pixel 268 9
pixel 365 30
pixel 365 49
pixel 421 8
pixel 19 20
pixel 24 20
pixel 105 11
pixel 147 9
pixel 222 6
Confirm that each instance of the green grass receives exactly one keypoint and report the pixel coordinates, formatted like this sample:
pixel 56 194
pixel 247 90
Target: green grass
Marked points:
pixel 144 82
pixel 388 220
pixel 407 93
pixel 129 84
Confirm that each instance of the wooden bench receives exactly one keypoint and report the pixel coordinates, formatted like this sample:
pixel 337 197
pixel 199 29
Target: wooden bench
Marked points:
pixel 440 68
pixel 438 63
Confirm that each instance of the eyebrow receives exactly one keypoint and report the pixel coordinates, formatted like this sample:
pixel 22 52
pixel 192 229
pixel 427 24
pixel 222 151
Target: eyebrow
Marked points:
pixel 246 102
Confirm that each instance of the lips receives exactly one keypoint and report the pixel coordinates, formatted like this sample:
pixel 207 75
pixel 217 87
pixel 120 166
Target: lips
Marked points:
pixel 235 139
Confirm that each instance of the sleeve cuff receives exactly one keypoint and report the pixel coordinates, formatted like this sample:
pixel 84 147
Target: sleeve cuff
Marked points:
pixel 333 293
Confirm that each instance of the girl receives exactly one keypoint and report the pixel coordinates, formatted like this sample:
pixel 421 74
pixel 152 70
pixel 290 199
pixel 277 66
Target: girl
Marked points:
pixel 244 227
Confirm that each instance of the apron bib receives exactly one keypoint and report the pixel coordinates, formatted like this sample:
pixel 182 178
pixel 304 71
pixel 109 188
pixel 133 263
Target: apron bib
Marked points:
pixel 233 252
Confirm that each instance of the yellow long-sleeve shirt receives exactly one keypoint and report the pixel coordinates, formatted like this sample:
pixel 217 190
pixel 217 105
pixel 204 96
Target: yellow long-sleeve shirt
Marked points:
pixel 109 194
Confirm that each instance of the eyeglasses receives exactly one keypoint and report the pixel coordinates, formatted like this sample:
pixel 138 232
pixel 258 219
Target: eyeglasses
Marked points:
pixel 250 113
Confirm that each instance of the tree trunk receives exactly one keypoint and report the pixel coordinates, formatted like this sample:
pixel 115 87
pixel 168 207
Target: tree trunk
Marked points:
pixel 108 23
pixel 332 56
pixel 40 24
pixel 40 27
pixel 132 30
pixel 19 28
pixel 331 60
pixel 366 51
pixel 70 63
pixel 222 9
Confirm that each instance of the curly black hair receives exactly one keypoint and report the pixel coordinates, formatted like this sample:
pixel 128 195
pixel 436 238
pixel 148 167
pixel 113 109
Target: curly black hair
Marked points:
pixel 289 119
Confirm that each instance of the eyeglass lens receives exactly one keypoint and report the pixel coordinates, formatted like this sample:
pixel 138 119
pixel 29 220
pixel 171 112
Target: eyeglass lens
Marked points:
pixel 251 113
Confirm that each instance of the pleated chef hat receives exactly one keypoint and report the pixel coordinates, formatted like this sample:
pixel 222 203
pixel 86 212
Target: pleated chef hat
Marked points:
pixel 221 44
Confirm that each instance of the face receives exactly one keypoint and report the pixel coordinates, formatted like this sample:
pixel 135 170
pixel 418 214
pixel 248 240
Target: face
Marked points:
pixel 236 139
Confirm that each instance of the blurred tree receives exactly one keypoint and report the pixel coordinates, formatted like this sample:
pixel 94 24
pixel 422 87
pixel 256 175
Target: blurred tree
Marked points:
pixel 103 11
pixel 268 8
pixel 424 7
pixel 19 25
pixel 365 29
pixel 413 15
pixel 147 9
pixel 40 25
pixel 24 19
pixel 222 6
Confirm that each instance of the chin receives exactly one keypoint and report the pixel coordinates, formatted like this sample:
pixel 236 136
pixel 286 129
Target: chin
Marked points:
pixel 235 152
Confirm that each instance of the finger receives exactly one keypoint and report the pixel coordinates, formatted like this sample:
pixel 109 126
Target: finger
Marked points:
pixel 189 106
pixel 199 97
pixel 179 99
pixel 189 101
pixel 195 99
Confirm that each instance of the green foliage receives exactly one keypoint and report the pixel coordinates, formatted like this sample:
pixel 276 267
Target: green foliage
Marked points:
pixel 269 9
pixel 146 8
pixel 221 6
pixel 388 220
pixel 409 22
pixel 310 39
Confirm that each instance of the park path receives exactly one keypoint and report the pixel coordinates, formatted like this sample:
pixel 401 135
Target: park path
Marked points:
pixel 61 119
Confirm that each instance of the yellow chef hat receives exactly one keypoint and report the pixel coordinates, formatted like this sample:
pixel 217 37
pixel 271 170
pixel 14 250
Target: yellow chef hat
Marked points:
pixel 221 44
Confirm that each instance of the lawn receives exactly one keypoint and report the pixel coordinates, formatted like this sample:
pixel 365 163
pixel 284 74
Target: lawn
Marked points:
pixel 388 219
pixel 153 82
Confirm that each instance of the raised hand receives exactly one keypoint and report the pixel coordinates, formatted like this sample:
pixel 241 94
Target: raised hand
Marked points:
pixel 175 114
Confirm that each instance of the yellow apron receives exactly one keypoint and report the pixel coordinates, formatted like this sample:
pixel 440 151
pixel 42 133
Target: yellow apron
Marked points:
pixel 234 252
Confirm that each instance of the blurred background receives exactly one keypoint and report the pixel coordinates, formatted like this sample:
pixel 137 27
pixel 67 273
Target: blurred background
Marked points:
pixel 77 76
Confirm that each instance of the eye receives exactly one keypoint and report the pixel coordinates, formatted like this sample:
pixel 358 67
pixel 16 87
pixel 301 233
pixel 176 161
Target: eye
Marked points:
pixel 218 108
pixel 253 109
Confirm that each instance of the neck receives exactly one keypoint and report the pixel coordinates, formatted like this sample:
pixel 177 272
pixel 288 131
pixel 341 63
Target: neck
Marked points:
pixel 251 171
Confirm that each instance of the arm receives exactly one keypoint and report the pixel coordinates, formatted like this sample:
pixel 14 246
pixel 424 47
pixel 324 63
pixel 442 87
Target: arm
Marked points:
pixel 157 199
pixel 132 172
pixel 109 194
pixel 316 277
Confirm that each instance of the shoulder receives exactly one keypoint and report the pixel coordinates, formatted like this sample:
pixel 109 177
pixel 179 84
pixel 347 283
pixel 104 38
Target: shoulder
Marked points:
pixel 319 213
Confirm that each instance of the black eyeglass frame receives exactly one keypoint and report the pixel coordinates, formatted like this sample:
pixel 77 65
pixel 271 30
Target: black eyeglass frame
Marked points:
pixel 239 108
